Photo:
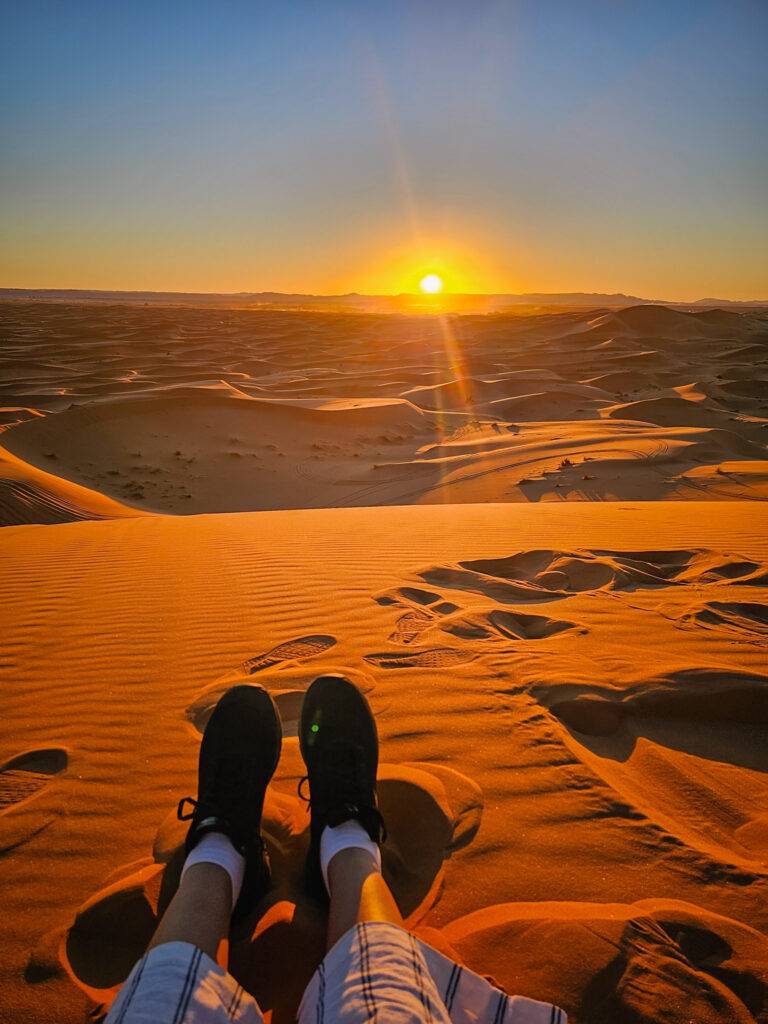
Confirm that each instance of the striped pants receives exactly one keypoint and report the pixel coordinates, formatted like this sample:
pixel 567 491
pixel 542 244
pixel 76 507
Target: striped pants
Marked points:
pixel 375 972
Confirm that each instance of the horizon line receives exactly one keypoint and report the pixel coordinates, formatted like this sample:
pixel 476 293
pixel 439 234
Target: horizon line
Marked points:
pixel 430 299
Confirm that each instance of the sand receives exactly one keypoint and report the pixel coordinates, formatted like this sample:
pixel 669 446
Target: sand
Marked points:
pixel 570 681
pixel 186 411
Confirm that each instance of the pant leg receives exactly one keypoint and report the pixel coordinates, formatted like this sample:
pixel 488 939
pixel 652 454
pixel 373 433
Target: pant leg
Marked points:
pixel 176 983
pixel 378 971
pixel 375 971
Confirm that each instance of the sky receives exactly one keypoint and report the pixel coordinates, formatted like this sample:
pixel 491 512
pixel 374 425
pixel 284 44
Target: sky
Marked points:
pixel 349 145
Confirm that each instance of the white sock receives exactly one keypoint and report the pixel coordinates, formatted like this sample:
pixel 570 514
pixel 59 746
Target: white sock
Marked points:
pixel 215 848
pixel 343 837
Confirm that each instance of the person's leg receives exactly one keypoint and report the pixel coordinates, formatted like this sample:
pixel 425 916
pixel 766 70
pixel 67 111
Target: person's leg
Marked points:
pixel 339 744
pixel 358 893
pixel 224 875
pixel 238 756
pixel 199 912
pixel 225 867
pixel 373 968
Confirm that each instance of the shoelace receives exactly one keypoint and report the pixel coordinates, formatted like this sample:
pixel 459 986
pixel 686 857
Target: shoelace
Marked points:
pixel 232 776
pixel 180 809
pixel 341 768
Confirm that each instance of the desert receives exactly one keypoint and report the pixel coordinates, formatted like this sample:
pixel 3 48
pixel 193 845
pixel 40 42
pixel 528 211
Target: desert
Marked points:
pixel 536 539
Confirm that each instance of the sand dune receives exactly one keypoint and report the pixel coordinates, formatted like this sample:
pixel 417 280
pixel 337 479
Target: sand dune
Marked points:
pixel 679 411
pixel 29 494
pixel 214 448
pixel 207 410
pixel 707 964
pixel 572 699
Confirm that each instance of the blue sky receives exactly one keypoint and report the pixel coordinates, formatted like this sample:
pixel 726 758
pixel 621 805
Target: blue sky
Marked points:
pixel 331 147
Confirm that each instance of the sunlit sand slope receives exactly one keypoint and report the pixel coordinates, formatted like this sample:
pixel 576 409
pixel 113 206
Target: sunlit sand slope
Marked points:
pixel 32 495
pixel 573 708
pixel 188 410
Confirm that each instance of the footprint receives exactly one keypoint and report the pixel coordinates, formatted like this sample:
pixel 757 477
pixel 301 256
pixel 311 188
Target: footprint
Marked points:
pixel 518 626
pixel 693 695
pixel 500 625
pixel 700 566
pixel 112 929
pixel 458 793
pixel 571 572
pixel 646 959
pixel 494 625
pixel 733 616
pixel 499 590
pixel 436 657
pixel 409 594
pixel 422 608
pixel 292 650
pixel 675 746
pixel 23 781
pixel 590 715
pixel 410 627
pixel 545 575
pixel 24 776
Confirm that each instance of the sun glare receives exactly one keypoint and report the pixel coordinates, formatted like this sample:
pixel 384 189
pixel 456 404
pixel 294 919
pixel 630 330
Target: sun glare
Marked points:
pixel 431 284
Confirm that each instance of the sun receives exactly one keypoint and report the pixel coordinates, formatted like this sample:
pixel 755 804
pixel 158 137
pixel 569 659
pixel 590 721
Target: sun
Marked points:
pixel 431 284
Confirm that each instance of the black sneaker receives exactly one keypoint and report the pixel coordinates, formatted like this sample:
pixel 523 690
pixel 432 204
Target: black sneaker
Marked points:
pixel 238 756
pixel 340 747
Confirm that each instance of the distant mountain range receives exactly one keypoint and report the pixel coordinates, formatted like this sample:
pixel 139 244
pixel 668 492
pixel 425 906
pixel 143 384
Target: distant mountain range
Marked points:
pixel 355 302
